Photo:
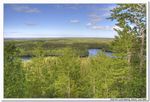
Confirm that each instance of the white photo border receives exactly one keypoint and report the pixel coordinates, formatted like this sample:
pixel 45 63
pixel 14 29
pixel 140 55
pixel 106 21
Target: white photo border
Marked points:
pixel 2 2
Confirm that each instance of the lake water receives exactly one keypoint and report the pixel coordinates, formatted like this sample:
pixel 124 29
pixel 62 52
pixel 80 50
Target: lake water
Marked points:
pixel 26 58
pixel 94 52
pixel 91 52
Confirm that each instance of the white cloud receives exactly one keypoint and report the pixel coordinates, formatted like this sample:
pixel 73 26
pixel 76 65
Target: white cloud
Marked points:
pixel 74 21
pixel 117 27
pixel 107 14
pixel 101 27
pixel 12 32
pixel 30 24
pixel 89 24
pixel 25 9
pixel 94 18
pixel 108 8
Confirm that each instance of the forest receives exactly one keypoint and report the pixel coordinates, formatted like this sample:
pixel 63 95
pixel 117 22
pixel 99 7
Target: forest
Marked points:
pixel 55 46
pixel 61 68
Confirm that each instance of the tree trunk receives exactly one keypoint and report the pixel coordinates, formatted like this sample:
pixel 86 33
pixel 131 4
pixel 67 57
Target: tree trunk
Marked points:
pixel 129 57
pixel 142 51
pixel 68 86
pixel 94 87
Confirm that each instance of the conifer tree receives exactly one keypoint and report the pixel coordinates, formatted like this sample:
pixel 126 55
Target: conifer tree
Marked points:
pixel 134 16
pixel 131 41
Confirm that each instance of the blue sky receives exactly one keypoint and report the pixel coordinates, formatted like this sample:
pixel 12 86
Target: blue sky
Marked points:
pixel 58 20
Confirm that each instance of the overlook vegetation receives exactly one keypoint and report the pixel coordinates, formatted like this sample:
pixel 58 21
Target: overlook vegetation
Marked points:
pixel 54 46
pixel 71 76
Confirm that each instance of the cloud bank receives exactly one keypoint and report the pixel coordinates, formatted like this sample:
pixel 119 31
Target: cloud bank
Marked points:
pixel 25 9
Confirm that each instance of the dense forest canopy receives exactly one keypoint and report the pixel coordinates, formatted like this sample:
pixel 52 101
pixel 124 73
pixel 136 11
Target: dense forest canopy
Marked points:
pixel 70 76
pixel 54 46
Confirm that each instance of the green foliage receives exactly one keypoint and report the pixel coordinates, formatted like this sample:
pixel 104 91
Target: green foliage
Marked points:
pixel 54 47
pixel 13 73
pixel 128 45
pixel 69 75
pixel 110 76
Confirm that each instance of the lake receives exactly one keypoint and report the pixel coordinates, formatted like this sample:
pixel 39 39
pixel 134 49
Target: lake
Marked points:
pixel 94 52
pixel 26 58
pixel 91 52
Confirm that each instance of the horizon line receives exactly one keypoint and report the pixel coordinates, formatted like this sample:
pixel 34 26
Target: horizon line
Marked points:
pixel 53 37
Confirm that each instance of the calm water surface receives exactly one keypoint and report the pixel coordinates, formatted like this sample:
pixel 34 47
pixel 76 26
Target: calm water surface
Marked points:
pixel 94 52
pixel 91 52
pixel 26 58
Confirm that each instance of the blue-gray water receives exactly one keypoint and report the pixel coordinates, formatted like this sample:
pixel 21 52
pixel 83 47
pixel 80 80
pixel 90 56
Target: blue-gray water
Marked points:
pixel 94 52
pixel 26 58
pixel 91 52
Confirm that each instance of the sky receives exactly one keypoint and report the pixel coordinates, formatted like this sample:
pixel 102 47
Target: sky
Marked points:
pixel 58 20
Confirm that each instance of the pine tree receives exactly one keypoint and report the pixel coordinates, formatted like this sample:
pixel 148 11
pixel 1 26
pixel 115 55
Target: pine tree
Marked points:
pixel 124 43
pixel 134 15
pixel 131 41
